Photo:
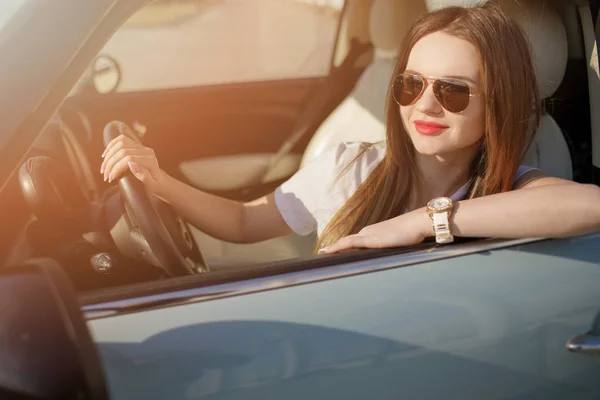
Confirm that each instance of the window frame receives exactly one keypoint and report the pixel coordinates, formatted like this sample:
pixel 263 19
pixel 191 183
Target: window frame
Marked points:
pixel 276 275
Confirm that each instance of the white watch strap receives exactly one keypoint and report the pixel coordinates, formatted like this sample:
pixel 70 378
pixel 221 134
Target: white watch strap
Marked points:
pixel 441 227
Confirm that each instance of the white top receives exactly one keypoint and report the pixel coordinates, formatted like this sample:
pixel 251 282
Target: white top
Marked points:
pixel 310 198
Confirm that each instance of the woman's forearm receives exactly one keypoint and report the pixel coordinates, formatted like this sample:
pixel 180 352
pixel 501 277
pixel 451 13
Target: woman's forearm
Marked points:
pixel 223 218
pixel 545 211
pixel 219 217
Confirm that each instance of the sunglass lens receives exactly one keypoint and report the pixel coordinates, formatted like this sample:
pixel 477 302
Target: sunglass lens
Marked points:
pixel 453 95
pixel 407 88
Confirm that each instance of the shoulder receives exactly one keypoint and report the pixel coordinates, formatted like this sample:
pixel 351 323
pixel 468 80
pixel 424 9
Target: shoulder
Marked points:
pixel 527 177
pixel 522 170
pixel 309 198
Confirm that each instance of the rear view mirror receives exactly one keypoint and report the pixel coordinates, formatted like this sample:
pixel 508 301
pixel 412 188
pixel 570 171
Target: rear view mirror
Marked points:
pixel 46 351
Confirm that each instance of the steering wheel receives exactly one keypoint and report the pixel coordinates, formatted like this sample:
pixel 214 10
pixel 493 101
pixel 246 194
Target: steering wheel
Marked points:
pixel 150 227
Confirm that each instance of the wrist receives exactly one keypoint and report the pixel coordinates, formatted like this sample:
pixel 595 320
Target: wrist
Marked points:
pixel 440 211
pixel 423 223
pixel 164 185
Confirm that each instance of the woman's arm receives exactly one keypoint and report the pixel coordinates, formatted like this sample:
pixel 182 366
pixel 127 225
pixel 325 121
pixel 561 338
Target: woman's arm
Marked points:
pixel 544 207
pixel 222 218
pixel 540 206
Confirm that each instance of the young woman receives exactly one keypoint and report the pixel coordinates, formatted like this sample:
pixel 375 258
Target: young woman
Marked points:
pixel 462 108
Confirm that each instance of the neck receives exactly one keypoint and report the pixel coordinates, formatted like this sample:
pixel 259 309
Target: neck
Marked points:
pixel 439 176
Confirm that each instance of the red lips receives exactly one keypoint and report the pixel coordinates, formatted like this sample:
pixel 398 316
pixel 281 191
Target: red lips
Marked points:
pixel 429 128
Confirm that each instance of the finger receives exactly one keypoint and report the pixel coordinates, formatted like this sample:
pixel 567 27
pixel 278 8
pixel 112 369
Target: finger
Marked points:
pixel 110 144
pixel 119 166
pixel 139 171
pixel 116 144
pixel 123 128
pixel 346 243
pixel 118 156
pixel 121 142
pixel 119 147
pixel 123 165
pixel 114 156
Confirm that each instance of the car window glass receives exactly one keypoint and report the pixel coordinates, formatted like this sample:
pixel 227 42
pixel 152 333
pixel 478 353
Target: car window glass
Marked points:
pixel 183 43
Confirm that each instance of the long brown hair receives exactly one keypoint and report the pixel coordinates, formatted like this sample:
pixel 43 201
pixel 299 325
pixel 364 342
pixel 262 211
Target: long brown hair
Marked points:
pixel 512 114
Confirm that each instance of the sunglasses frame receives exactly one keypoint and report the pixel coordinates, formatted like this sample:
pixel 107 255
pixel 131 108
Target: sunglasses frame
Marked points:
pixel 431 80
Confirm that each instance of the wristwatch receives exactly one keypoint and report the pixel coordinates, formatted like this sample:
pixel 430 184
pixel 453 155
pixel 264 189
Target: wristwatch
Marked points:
pixel 440 210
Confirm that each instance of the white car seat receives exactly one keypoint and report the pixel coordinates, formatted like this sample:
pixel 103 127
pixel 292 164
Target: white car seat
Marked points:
pixel 360 117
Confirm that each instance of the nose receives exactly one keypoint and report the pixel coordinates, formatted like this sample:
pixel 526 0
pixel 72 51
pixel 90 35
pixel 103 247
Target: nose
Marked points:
pixel 428 103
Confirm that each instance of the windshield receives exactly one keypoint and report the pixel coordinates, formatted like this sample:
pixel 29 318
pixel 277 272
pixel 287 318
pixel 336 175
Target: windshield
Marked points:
pixel 8 9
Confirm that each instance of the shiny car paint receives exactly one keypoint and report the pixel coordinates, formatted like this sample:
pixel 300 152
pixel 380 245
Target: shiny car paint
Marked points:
pixel 488 325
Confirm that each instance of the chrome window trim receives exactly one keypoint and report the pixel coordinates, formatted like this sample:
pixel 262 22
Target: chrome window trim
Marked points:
pixel 188 296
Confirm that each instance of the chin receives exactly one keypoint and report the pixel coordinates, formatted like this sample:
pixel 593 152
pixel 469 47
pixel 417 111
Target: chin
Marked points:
pixel 431 153
pixel 431 148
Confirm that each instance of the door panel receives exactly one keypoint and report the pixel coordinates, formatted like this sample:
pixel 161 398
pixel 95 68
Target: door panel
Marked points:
pixel 190 124
pixel 222 173
pixel 492 325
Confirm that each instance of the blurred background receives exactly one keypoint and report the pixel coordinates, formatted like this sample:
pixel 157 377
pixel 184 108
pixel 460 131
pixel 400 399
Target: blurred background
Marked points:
pixel 179 43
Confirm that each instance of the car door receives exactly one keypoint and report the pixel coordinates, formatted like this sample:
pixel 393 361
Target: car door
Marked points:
pixel 215 88
pixel 469 321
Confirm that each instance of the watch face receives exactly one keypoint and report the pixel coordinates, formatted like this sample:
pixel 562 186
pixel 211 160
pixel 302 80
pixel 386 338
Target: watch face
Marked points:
pixel 440 203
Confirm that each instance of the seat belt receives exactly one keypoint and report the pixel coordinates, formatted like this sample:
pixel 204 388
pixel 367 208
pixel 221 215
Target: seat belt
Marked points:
pixel 312 115
pixel 594 6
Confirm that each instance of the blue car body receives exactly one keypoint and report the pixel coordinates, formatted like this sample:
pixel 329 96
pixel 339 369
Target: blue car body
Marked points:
pixel 489 324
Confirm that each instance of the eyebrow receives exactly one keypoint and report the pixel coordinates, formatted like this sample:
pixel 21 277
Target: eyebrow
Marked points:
pixel 464 78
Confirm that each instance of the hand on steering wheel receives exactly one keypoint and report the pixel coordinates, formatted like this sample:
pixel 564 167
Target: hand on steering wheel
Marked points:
pixel 124 153
pixel 150 226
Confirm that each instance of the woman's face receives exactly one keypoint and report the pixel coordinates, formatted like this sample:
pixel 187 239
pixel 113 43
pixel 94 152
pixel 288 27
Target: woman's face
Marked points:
pixel 432 129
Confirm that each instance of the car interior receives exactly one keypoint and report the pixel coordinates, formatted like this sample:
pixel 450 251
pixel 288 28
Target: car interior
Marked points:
pixel 256 135
pixel 360 115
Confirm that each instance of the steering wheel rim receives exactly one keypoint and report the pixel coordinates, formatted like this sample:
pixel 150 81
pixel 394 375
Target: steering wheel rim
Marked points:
pixel 155 232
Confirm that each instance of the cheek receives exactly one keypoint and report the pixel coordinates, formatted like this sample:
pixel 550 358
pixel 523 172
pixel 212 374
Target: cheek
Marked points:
pixel 472 123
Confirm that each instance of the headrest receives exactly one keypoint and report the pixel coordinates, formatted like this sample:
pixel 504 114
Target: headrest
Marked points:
pixel 433 5
pixel 390 19
pixel 544 29
pixel 548 37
